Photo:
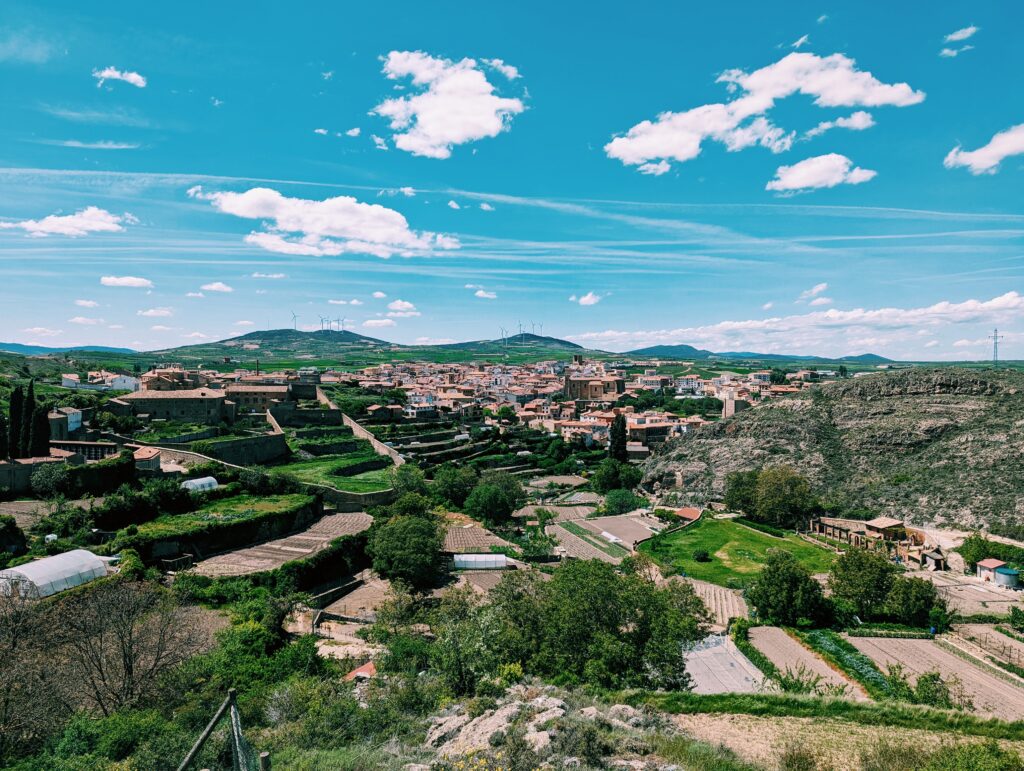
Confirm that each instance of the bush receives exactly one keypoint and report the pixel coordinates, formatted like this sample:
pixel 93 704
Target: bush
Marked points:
pixel 407 549
pixel 701 555
pixel 621 501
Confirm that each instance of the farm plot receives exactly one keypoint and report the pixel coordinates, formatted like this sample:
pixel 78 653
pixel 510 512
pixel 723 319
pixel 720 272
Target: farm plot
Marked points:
pixel 721 602
pixel 717 666
pixel 582 544
pixel 991 694
pixel 993 642
pixel 969 596
pixel 273 554
pixel 786 653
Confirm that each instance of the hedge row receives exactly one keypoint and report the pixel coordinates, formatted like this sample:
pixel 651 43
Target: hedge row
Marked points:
pixel 760 526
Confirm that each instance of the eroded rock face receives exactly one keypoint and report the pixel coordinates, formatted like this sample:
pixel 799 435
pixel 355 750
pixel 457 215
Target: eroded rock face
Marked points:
pixel 930 446
pixel 476 734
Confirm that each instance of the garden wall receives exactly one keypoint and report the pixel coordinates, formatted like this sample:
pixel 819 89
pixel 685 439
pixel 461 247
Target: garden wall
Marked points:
pixel 248 451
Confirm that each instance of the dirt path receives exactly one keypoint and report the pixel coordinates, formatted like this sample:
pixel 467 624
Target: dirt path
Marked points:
pixel 783 651
pixel 836 743
pixel 991 694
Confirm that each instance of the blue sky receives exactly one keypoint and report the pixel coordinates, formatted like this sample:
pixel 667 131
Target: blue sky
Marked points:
pixel 805 179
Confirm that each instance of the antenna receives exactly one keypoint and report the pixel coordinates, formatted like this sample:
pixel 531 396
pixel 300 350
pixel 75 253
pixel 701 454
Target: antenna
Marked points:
pixel 995 337
pixel 294 321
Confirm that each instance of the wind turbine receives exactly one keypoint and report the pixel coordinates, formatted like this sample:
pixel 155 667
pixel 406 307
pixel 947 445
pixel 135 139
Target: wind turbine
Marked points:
pixel 294 321
pixel 533 328
pixel 340 324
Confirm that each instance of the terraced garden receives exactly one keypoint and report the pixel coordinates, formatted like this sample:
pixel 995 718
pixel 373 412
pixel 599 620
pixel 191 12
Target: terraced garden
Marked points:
pixel 235 509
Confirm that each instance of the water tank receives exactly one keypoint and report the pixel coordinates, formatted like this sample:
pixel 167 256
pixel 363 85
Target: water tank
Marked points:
pixel 1007 577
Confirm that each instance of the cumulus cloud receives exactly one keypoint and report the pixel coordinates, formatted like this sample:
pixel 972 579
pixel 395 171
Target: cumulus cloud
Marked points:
pixel 453 205
pixel 819 301
pixel 960 34
pixel 91 219
pixel 112 73
pixel 355 302
pixel 402 309
pixel 270 275
pixel 986 159
pixel 86 303
pixel 814 291
pixel 156 312
pixel 379 142
pixel 590 298
pixel 321 131
pixel 353 132
pixel 333 226
pixel 195 336
pixel 454 103
pixel 486 206
pixel 378 323
pixel 833 81
pixel 85 321
pixel 378 295
pixel 818 172
pixel 484 295
pixel 216 286
pixel 823 327
pixel 134 282
pixel 43 331
pixel 857 121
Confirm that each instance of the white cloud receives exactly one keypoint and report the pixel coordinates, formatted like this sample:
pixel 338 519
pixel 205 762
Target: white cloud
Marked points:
pixel 377 323
pixel 195 336
pixel 327 75
pixel 216 286
pixel 655 169
pixel 951 53
pixel 800 42
pixel 337 302
pixel 960 34
pixel 43 331
pixel 321 131
pixel 486 206
pixel 590 299
pixel 819 301
pixel 86 303
pixel 200 294
pixel 814 291
pixel 161 328
pixel 823 18
pixel 102 144
pixel 129 281
pixel 434 340
pixel 818 172
pixel 986 159
pixel 455 103
pixel 156 312
pixel 857 121
pixel 401 305
pixel 355 302
pixel 378 295
pixel 353 132
pixel 85 321
pixel 453 205
pixel 931 344
pixel 507 70
pixel 215 101
pixel 112 73
pixel 91 219
pixel 379 142
pixel 572 298
pixel 833 81
pixel 334 226
pixel 473 286
pixel 270 275
pixel 244 323
pixel 484 295
pixel 403 314
pixel 24 48
pixel 767 306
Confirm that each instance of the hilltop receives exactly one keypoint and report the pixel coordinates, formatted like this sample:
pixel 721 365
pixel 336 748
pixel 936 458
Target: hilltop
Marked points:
pixel 42 350
pixel 928 445
pixel 518 341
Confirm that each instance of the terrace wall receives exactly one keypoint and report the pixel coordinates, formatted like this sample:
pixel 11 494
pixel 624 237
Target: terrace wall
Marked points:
pixel 378 446
pixel 250 450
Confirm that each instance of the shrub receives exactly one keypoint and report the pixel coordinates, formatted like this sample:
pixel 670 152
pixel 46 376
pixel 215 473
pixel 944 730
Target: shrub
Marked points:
pixel 701 555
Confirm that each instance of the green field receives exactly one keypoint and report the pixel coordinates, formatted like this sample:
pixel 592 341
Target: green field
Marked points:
pixel 324 471
pixel 737 552
pixel 227 510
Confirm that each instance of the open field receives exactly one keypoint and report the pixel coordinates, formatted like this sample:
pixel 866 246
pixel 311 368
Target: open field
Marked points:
pixel 228 510
pixel 273 554
pixel 837 744
pixel 736 552
pixel 786 653
pixel 969 596
pixel 630 530
pixel 991 694
pixel 721 602
pixel 582 548
pixel 717 666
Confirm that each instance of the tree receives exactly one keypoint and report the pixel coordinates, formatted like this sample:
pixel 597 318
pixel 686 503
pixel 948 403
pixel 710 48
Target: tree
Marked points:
pixel 452 485
pixel 411 505
pixel 777 376
pixel 620 501
pixel 17 403
pixel 51 479
pixel 864 579
pixel 407 549
pixel 408 478
pixel 39 444
pixel 911 601
pixel 495 498
pixel 28 412
pixel 741 491
pixel 615 475
pixel 785 592
pixel 507 413
pixel 842 370
pixel 783 498
pixel 4 437
pixel 617 436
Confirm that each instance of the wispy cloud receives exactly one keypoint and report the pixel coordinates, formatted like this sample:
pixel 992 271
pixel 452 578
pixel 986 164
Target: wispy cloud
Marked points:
pixel 91 219
pixel 99 145
pixel 127 281
pixel 986 159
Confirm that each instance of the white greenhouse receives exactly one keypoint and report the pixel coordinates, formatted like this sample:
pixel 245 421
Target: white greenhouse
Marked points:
pixel 480 561
pixel 200 484
pixel 50 575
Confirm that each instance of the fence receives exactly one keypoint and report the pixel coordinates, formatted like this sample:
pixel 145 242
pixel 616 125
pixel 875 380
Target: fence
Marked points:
pixel 243 756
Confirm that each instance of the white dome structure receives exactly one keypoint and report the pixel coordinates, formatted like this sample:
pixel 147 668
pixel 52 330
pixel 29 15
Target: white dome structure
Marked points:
pixel 50 575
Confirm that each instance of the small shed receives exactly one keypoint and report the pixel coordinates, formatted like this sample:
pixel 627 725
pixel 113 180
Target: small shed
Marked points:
pixel 51 575
pixel 987 568
pixel 200 484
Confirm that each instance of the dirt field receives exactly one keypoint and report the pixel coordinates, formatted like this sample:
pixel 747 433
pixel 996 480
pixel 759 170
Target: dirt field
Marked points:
pixel 783 651
pixel 836 743
pixel 362 602
pixel 717 666
pixel 27 513
pixel 991 694
pixel 968 595
pixel 723 603
pixel 273 554
pixel 993 642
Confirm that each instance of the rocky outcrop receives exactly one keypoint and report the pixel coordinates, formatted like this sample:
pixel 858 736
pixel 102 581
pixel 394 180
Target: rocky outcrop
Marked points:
pixel 931 446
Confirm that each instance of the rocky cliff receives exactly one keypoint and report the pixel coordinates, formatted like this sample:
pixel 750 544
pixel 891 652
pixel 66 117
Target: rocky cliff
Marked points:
pixel 931 446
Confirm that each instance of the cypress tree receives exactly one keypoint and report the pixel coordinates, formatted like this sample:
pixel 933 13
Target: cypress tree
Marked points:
pixel 40 447
pixel 3 435
pixel 617 439
pixel 14 422
pixel 28 415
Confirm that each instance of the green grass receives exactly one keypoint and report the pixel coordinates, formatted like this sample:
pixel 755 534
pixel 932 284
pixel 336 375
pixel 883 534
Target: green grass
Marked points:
pixel 609 548
pixel 324 471
pixel 736 552
pixel 234 509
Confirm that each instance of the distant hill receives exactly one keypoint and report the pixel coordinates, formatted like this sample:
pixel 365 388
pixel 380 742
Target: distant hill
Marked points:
pixel 42 350
pixel 518 341
pixel 292 336
pixel 672 352
pixel 866 358
pixel 930 445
